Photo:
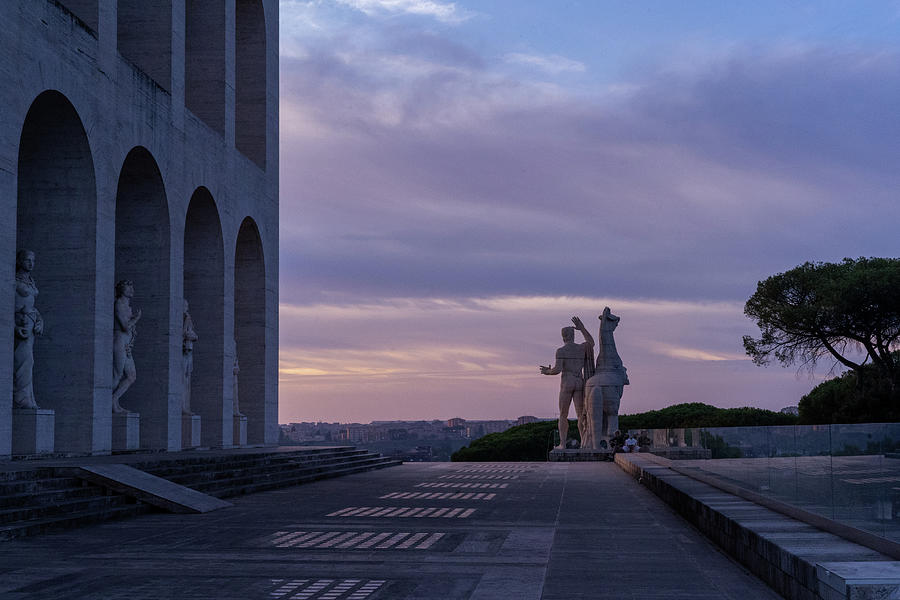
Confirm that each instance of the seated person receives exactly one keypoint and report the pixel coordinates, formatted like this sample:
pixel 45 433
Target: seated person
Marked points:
pixel 643 442
pixel 631 444
pixel 617 441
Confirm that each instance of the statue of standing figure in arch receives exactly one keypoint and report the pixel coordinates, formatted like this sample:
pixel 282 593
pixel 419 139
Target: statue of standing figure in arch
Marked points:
pixel 188 337
pixel 236 406
pixel 124 333
pixel 28 324
pixel 603 390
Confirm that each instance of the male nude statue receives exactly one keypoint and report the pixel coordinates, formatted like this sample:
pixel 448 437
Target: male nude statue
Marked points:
pixel 570 361
pixel 124 330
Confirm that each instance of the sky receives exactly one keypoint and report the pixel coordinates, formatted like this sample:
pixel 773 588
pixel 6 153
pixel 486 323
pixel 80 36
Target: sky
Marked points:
pixel 458 179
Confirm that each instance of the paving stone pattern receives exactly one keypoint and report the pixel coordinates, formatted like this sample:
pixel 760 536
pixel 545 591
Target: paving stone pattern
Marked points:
pixel 441 496
pixel 479 476
pixel 403 511
pixel 492 486
pixel 558 530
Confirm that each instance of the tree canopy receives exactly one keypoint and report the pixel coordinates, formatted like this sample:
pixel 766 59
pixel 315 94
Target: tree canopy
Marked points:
pixel 529 442
pixel 848 311
pixel 533 441
pixel 698 414
pixel 851 399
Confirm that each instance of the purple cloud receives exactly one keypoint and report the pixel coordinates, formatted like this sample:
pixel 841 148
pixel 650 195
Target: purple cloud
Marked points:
pixel 413 168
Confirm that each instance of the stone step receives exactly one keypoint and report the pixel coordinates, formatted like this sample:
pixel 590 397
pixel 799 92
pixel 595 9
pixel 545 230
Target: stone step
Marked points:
pixel 44 499
pixel 36 486
pixel 159 492
pixel 194 473
pixel 222 480
pixel 186 464
pixel 15 475
pixel 30 499
pixel 69 521
pixel 224 487
pixel 69 506
pixel 200 458
pixel 169 469
pixel 300 478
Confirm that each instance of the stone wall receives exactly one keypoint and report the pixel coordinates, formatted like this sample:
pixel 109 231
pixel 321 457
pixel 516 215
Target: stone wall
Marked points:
pixel 107 175
pixel 795 558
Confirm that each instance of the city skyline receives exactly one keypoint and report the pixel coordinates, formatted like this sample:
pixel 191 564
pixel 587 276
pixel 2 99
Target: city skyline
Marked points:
pixel 459 179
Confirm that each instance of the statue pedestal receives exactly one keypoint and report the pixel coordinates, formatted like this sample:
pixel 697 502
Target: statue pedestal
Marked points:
pixel 126 431
pixel 240 430
pixel 32 430
pixel 190 431
pixel 580 455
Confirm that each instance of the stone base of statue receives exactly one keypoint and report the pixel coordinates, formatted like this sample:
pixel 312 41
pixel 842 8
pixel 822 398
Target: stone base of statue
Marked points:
pixel 240 430
pixel 126 431
pixel 32 431
pixel 580 455
pixel 682 453
pixel 190 431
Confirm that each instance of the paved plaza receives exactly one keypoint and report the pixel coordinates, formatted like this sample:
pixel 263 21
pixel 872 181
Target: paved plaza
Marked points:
pixel 425 531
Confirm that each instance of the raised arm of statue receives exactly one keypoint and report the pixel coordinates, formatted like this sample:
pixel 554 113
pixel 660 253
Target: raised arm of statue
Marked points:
pixel 584 331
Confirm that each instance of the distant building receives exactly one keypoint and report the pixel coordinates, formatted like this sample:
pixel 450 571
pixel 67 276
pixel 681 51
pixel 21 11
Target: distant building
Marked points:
pixel 456 422
pixel 790 410
pixel 477 429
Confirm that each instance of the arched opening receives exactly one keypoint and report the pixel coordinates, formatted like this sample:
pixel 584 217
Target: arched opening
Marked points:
pixel 144 31
pixel 142 256
pixel 204 61
pixel 204 289
pixel 250 81
pixel 57 219
pixel 250 328
pixel 85 10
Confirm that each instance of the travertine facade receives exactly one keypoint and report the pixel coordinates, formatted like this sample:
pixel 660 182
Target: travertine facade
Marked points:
pixel 139 141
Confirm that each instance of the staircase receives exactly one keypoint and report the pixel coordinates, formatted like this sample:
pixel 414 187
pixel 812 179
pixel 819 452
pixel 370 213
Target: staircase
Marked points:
pixel 43 499
pixel 39 500
pixel 251 473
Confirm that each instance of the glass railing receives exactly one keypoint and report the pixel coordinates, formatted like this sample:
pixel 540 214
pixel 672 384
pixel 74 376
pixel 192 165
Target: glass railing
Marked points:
pixel 848 473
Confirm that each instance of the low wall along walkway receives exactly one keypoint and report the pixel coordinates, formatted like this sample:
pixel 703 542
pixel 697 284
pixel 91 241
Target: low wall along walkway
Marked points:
pixel 797 559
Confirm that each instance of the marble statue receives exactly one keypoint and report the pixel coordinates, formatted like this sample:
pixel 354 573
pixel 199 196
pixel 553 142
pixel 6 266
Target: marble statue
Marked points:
pixel 571 360
pixel 28 324
pixel 189 336
pixel 236 409
pixel 124 333
pixel 603 390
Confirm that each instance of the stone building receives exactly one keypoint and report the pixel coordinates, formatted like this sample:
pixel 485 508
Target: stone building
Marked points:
pixel 139 141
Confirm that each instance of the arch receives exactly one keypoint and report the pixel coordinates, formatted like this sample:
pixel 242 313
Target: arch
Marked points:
pixel 204 289
pixel 204 62
pixel 142 256
pixel 250 81
pixel 250 328
pixel 86 11
pixel 57 219
pixel 144 37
